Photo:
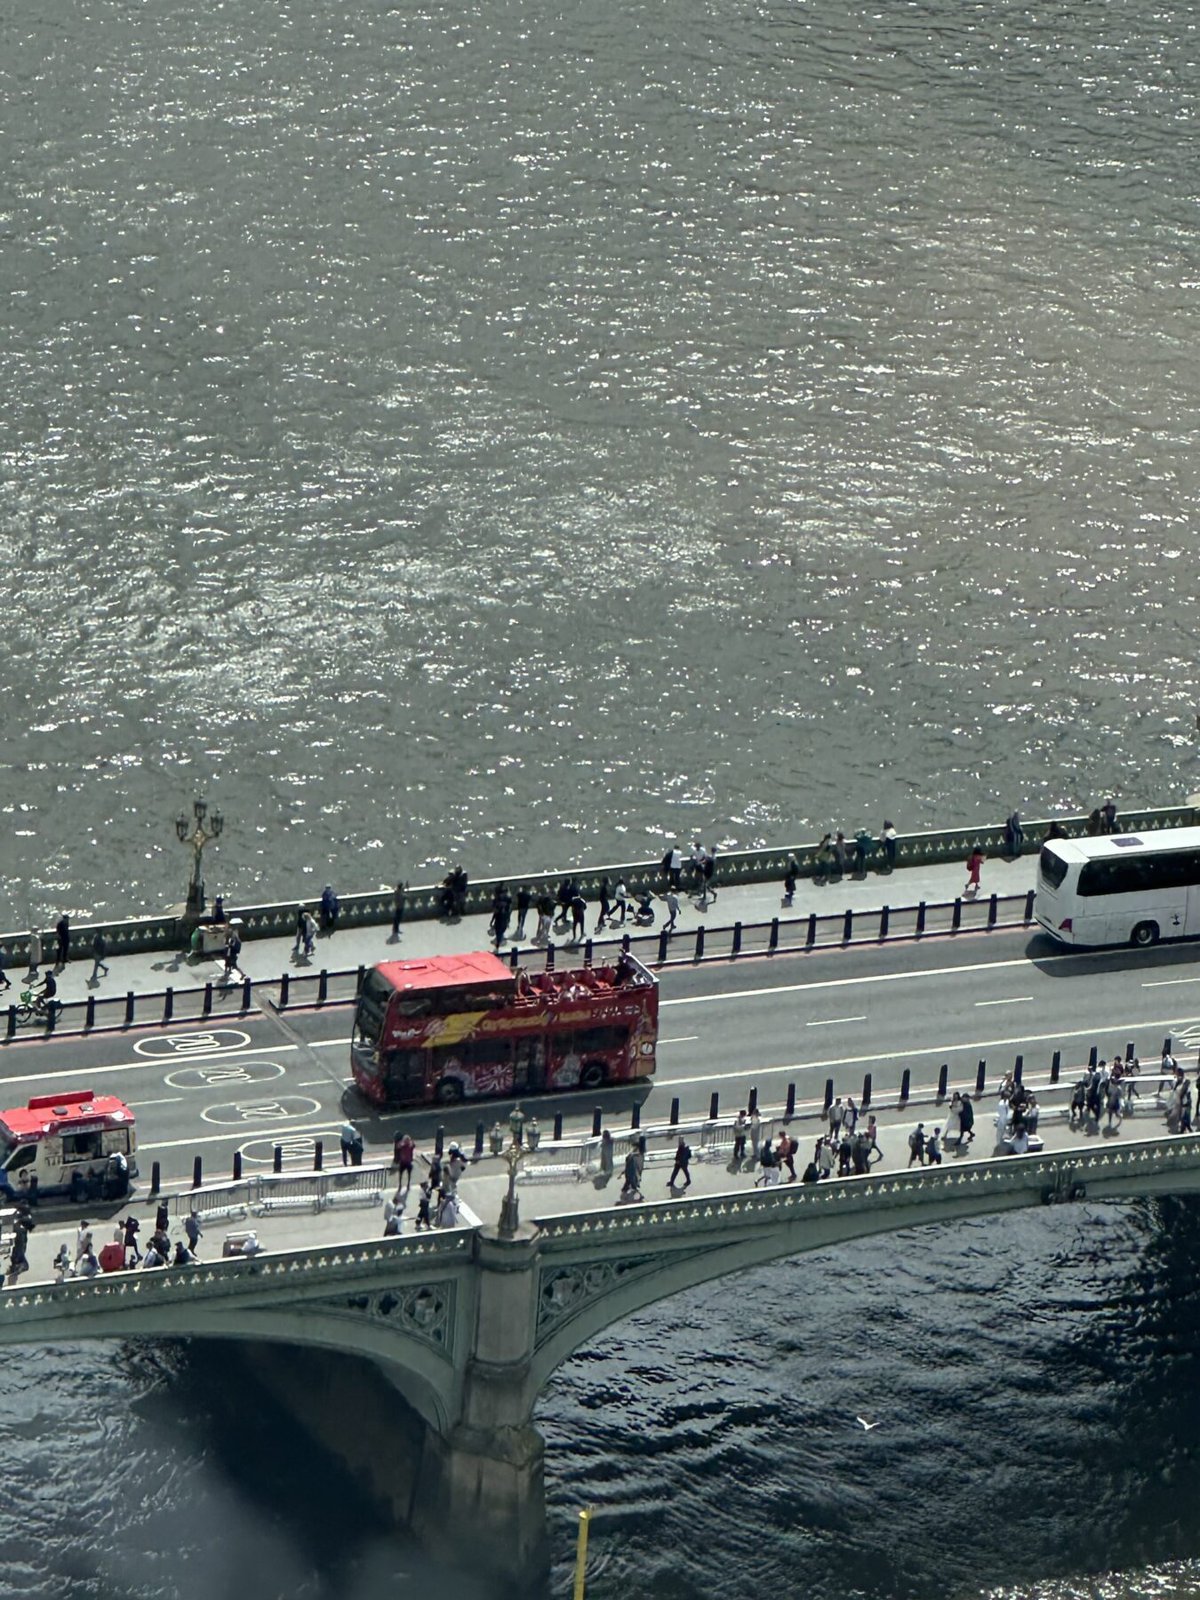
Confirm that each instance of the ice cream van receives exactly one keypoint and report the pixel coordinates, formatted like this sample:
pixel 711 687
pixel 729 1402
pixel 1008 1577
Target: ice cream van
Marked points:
pixel 76 1143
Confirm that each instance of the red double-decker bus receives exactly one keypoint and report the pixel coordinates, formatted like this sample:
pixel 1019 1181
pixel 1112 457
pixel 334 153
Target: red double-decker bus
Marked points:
pixel 449 1028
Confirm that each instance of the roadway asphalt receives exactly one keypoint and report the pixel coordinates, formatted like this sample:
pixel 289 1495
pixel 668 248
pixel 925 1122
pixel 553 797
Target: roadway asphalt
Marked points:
pixel 250 1083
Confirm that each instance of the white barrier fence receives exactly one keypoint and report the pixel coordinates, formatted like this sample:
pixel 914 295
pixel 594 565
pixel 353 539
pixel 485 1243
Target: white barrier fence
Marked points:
pixel 267 1192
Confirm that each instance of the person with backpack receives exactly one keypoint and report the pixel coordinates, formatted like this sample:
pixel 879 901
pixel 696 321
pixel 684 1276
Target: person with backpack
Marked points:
pixel 786 1154
pixel 683 1154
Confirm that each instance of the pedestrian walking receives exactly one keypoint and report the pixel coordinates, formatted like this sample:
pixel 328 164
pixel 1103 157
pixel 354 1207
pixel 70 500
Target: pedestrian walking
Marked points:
pixel 1108 812
pixel 398 894
pixel 578 917
pixel 62 936
pixel 836 1113
pixel 621 899
pixel 330 910
pixel 524 901
pixel 35 952
pixel 18 1260
pixel 740 1130
pixel 1014 834
pixel 874 1153
pixel 933 1148
pixel 131 1227
pixel 789 880
pixel 233 951
pixel 404 1152
pixel 603 894
pixel 99 951
pixel 755 1135
pixel 194 1229
pixel 683 1155
pixel 631 1187
pixel 298 941
pixel 863 845
pixel 545 911
pixel 424 1196
pixel 501 913
pixel 310 933
pixel 974 867
pixel 672 900
pixel 83 1239
pixel 347 1137
pixel 785 1152
pixel 916 1145
pixel 966 1117
pixel 710 878
pixel 5 980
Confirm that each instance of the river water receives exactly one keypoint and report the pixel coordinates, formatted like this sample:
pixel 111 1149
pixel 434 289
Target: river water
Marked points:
pixel 517 434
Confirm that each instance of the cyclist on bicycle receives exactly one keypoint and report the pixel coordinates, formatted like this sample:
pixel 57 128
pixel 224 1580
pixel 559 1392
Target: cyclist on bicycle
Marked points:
pixel 45 999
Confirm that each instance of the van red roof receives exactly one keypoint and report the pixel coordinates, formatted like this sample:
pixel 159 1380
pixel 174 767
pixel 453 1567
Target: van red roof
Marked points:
pixel 48 1114
pixel 478 967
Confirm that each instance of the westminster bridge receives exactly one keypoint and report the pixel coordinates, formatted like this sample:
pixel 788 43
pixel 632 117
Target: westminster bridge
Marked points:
pixel 456 1331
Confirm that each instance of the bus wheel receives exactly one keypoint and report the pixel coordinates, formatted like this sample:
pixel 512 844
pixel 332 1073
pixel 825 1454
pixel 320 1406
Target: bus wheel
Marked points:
pixel 448 1092
pixel 592 1075
pixel 1146 933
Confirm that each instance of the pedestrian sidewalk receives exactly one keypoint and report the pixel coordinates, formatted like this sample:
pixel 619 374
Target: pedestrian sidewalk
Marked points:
pixel 266 959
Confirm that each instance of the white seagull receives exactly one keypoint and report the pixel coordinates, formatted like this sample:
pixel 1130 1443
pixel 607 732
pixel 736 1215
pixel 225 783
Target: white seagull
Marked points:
pixel 865 1425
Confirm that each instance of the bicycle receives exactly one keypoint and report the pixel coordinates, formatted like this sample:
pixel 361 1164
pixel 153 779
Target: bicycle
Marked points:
pixel 31 1007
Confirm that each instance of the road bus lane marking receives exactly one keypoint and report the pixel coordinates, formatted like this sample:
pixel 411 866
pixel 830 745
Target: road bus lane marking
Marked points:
pixel 211 1074
pixel 207 1041
pixel 237 1113
pixel 1013 1000
pixel 296 1147
pixel 832 1022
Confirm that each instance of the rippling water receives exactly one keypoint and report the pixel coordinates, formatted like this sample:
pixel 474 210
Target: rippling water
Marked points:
pixel 517 433
pixel 488 430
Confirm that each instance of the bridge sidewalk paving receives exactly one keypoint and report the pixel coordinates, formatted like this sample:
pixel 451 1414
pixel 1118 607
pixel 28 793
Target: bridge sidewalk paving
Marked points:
pixel 349 948
pixel 483 1187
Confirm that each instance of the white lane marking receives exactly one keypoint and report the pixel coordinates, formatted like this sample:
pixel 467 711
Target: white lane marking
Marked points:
pixel 314 1083
pixel 1168 983
pixel 684 1038
pixel 833 1022
pixel 206 1042
pixel 325 1044
pixel 943 1050
pixel 879 977
pixel 276 1135
pixel 1015 1000
pixel 173 1100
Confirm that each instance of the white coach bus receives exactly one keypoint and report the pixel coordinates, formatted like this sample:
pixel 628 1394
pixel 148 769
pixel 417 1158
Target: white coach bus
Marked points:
pixel 1121 888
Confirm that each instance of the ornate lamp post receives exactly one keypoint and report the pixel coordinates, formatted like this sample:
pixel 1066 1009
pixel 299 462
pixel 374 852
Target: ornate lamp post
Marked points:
pixel 197 835
pixel 510 1217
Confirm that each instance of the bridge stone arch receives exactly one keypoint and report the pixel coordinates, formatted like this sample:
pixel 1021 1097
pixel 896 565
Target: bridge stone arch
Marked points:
pixel 596 1270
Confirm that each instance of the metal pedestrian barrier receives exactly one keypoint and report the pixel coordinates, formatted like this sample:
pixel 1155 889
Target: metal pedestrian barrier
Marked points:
pixel 265 1192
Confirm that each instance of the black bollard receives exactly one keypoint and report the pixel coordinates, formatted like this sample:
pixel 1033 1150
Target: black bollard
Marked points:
pixel 319 1155
pixel 479 1131
pixel 558 1116
pixel 285 983
pixel 905 1085
pixel 197 1171
pixel 12 1021
pixel 848 926
pixel 1055 1066
pixel 549 958
pixel 1129 1051
pixel 130 1002
pixel 920 919
pixel 883 922
pixel 1029 896
pixel 956 915
pixel 606 1154
pixel 736 950
pixel 359 980
pixel 664 939
pixel 810 934
pixel 597 1115
pixel 89 1019
pixel 773 936
pixel 1093 1055
pixel 714 1103
pixel 625 943
pixel 277 1159
pixel 322 986
pixel 752 1103
pixel 675 1112
pixel 439 1139
pixel 1166 1049
pixel 828 1093
pixel 635 1117
pixel 943 1081
pixel 206 1003
pixel 699 955
pixel 237 1166
pixel 789 1110
pixel 993 903
pixel 1018 1068
pixel 980 1075
pixel 866 1094
pixel 168 1004
pixel 587 953
pixel 247 993
pixel 155 1178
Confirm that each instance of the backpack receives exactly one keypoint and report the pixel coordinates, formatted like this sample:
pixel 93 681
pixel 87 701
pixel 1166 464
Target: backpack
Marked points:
pixel 912 1139
pixel 686 1153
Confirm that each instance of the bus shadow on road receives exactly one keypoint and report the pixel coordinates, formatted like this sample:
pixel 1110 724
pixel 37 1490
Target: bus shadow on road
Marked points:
pixel 1055 962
